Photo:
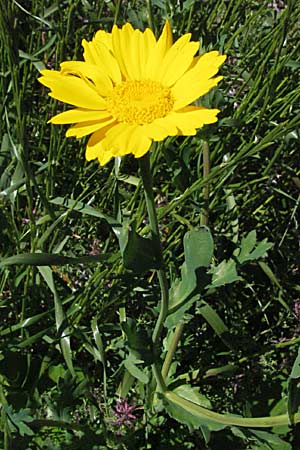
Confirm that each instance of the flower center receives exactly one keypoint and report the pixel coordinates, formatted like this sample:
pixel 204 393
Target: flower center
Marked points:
pixel 139 102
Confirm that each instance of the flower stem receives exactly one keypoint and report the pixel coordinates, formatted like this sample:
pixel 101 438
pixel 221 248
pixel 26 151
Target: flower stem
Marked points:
pixel 172 348
pixel 204 221
pixel 150 204
pixel 206 170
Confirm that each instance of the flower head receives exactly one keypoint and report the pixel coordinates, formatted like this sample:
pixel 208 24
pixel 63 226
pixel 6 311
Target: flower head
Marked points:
pixel 132 89
pixel 124 413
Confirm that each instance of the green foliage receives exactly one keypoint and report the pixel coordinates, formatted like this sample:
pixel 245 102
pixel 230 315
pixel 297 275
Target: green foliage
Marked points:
pixel 182 415
pixel 198 251
pixel 17 421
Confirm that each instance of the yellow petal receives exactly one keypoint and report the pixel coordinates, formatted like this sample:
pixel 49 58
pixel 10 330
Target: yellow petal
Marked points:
pixel 104 37
pixel 131 49
pixel 72 90
pixel 106 61
pixel 97 53
pixel 166 36
pixel 85 128
pixel 138 53
pixel 166 123
pixel 85 70
pixel 191 118
pixel 177 60
pixel 193 91
pixel 124 138
pixel 115 138
pixel 157 53
pixel 121 40
pixel 157 131
pixel 209 63
pixel 89 53
pixel 197 81
pixel 95 149
pixel 78 115
pixel 139 142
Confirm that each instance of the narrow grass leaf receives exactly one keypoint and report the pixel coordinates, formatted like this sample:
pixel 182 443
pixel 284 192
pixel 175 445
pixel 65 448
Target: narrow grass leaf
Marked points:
pixel 47 259
pixel 60 318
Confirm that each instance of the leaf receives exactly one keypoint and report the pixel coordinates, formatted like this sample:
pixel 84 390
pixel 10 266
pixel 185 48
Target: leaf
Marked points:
pixel 85 209
pixel 293 401
pixel 198 248
pixel 49 259
pixel 18 420
pixel 24 323
pixel 198 252
pixel 213 319
pixel 138 342
pixel 250 249
pixel 262 440
pixel 56 372
pixel 131 365
pixel 224 273
pixel 99 343
pixel 178 315
pixel 60 319
pixel 139 254
pixel 185 416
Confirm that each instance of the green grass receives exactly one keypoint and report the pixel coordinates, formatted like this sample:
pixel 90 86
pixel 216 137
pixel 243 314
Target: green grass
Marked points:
pixel 254 184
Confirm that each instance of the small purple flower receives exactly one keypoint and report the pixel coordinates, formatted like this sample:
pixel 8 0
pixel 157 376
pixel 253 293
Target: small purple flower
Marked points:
pixel 296 309
pixel 123 413
pixel 26 220
pixel 94 248
pixel 277 5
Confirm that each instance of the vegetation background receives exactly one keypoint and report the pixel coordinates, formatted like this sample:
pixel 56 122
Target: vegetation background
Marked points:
pixel 254 185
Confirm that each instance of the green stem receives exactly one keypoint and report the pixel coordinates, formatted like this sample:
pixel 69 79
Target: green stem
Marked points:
pixel 150 15
pixel 227 419
pixel 206 170
pixel 163 282
pixel 159 378
pixel 204 221
pixel 172 348
pixel 117 9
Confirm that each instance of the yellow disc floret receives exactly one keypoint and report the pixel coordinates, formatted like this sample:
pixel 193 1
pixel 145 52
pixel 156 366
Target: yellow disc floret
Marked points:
pixel 139 102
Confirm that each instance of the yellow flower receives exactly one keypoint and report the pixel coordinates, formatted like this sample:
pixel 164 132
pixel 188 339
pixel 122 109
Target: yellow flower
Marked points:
pixel 132 89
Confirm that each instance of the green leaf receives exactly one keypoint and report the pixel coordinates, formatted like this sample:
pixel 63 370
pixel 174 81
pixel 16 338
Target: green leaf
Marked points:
pixel 212 318
pixel 131 365
pixel 85 209
pixel 56 372
pixel 293 388
pixel 187 417
pixel 261 440
pixel 250 249
pixel 198 252
pixel 18 420
pixel 179 314
pixel 47 259
pixel 60 319
pixel 24 323
pixel 99 343
pixel 198 248
pixel 224 273
pixel 138 342
pixel 138 253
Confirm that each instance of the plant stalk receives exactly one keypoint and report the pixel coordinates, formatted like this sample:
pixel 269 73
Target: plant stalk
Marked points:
pixel 206 170
pixel 204 221
pixel 163 282
pixel 209 416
